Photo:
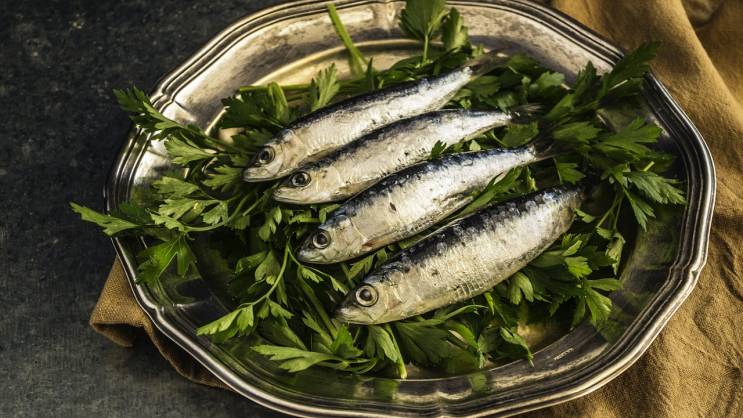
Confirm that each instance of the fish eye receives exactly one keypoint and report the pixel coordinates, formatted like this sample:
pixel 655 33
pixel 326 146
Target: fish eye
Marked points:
pixel 300 179
pixel 321 239
pixel 265 155
pixel 366 295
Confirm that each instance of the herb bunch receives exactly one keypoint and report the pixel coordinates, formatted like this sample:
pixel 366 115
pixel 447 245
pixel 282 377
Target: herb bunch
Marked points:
pixel 283 306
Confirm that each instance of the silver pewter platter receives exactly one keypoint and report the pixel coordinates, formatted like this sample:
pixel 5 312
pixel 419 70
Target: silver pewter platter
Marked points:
pixel 289 43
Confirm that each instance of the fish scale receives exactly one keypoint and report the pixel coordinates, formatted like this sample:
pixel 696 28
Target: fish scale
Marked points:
pixel 411 201
pixel 372 157
pixel 466 258
pixel 317 134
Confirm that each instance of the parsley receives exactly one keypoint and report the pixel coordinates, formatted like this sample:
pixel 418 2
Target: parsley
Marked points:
pixel 569 172
pixel 295 359
pixel 499 187
pixel 152 122
pixel 111 225
pixel 237 322
pixel 437 150
pixel 323 88
pixel 421 20
pixel 628 69
pixel 453 32
pixel 517 134
pixel 287 303
pixel 355 57
pixel 655 187
pixel 629 141
pixel 156 259
pixel 592 91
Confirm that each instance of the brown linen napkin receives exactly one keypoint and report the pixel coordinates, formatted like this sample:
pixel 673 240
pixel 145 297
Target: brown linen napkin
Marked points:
pixel 118 316
pixel 695 367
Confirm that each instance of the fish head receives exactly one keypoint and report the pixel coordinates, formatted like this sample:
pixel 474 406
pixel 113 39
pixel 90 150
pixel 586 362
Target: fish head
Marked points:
pixel 375 301
pixel 334 241
pixel 307 186
pixel 276 158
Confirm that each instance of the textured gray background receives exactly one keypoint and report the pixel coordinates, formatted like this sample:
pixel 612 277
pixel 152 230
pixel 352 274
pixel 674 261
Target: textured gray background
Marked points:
pixel 59 131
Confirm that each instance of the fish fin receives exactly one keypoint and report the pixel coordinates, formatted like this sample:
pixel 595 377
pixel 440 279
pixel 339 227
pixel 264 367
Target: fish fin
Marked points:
pixel 487 62
pixel 525 113
pixel 546 147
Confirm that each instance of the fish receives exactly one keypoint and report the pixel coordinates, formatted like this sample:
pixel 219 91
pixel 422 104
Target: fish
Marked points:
pixel 317 134
pixel 463 259
pixel 412 200
pixel 362 163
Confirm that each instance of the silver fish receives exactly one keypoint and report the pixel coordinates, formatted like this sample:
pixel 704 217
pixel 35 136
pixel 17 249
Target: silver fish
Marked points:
pixel 463 259
pixel 410 202
pixel 374 156
pixel 317 134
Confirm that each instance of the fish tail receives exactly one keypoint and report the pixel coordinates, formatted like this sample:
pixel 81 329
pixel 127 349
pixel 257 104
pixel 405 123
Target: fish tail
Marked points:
pixel 544 144
pixel 546 147
pixel 525 113
pixel 487 62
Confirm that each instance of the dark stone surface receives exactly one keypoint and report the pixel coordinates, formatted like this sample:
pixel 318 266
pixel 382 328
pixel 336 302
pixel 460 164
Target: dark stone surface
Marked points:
pixel 60 130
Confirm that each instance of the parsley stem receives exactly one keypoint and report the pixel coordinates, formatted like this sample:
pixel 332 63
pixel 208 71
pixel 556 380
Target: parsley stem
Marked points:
pixel 279 278
pixel 616 216
pixel 424 58
pixel 355 57
pixel 229 218
pixel 320 272
pixel 400 363
pixel 606 215
pixel 318 307
pixel 610 210
pixel 313 298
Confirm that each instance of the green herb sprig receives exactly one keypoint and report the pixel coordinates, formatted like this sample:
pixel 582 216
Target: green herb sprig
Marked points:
pixel 283 307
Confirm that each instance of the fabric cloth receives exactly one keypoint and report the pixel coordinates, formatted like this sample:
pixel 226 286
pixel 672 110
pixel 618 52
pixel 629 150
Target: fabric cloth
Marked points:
pixel 118 317
pixel 695 367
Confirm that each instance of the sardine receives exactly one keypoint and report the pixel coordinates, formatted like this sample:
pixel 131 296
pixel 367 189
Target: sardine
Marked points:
pixel 411 201
pixel 464 259
pixel 362 163
pixel 315 135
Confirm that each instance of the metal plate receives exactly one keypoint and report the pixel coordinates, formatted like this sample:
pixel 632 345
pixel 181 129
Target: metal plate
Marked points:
pixel 288 44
